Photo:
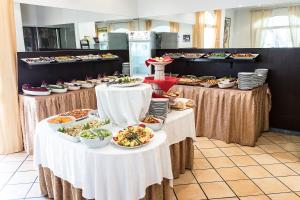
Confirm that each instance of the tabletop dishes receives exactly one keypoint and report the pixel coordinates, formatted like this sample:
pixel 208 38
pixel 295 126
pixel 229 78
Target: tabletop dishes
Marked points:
pixel 126 82
pixel 152 122
pixel 79 114
pixel 133 136
pixel 57 121
pixel 95 138
pixel 57 88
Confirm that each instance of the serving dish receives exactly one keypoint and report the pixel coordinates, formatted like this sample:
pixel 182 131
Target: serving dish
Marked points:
pixel 209 83
pixel 89 57
pixel 95 138
pixel 244 56
pixel 217 56
pixel 126 82
pixel 39 60
pixel 108 56
pixel 79 114
pixel 66 59
pixel 87 85
pixel 133 136
pixel 152 122
pixel 193 55
pixel 35 91
pixel 57 121
pixel 57 88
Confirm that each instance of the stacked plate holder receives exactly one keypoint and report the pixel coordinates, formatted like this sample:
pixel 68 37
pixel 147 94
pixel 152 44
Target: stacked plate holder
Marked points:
pixel 250 80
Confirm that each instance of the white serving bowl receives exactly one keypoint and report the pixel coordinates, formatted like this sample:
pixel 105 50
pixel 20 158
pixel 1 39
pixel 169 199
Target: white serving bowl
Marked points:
pixel 56 126
pixel 154 126
pixel 226 84
pixel 97 142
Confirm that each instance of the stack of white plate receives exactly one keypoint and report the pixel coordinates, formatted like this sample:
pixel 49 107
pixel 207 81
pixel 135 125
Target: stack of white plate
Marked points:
pixel 245 80
pixel 263 74
pixel 159 107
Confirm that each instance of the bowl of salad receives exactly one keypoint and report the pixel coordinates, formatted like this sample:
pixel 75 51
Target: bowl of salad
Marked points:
pixel 95 138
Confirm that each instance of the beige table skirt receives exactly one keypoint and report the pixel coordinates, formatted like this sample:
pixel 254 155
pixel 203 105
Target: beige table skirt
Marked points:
pixel 230 115
pixel 36 108
pixel 182 155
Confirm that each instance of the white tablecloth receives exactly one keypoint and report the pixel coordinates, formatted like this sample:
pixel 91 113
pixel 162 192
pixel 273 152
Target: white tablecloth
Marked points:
pixel 109 173
pixel 124 106
pixel 180 125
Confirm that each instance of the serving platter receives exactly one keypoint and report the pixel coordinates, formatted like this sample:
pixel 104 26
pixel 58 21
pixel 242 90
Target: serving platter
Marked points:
pixel 134 147
pixel 127 84
pixel 36 93
pixel 244 58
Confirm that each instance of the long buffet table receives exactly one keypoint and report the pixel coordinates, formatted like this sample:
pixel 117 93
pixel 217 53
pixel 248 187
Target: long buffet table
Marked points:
pixel 231 115
pixel 72 171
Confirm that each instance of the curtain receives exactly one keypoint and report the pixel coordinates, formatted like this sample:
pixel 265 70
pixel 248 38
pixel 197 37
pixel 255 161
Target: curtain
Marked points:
pixel 10 129
pixel 294 22
pixel 218 15
pixel 148 25
pixel 259 20
pixel 131 26
pixel 174 27
pixel 198 30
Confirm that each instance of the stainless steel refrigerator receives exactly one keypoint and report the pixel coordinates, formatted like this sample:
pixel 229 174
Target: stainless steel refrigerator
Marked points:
pixel 141 44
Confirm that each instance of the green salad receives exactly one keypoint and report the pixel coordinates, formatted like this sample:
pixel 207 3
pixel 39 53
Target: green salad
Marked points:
pixel 96 133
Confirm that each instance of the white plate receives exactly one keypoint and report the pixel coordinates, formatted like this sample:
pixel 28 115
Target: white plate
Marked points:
pixel 59 90
pixel 72 88
pixel 68 137
pixel 127 84
pixel 87 85
pixel 37 93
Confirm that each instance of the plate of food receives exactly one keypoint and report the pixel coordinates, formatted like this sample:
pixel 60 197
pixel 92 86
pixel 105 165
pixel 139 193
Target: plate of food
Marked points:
pixel 244 56
pixel 152 122
pixel 193 55
pixel 108 56
pixel 66 59
pixel 72 132
pixel 95 138
pixel 210 83
pixel 133 137
pixel 57 121
pixel 57 88
pixel 89 57
pixel 79 114
pixel 35 91
pixel 218 56
pixel 39 60
pixel 126 82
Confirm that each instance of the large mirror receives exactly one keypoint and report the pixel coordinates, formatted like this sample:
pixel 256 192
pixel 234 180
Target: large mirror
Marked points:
pixel 246 27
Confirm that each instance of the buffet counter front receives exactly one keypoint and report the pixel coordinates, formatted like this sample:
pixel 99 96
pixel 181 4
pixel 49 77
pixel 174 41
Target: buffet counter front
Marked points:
pixel 231 115
pixel 36 108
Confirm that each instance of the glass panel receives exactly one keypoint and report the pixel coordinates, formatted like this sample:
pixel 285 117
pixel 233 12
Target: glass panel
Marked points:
pixel 139 52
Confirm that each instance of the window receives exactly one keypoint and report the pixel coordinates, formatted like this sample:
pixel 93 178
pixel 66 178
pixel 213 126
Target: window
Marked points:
pixel 209 29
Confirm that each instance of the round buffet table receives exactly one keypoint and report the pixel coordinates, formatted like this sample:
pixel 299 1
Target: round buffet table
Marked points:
pixel 124 106
pixel 109 173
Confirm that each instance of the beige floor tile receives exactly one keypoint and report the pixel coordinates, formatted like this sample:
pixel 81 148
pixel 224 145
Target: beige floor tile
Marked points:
pixel 255 172
pixel 212 153
pixel 231 174
pixel 297 154
pixel 294 166
pixel 259 197
pixel 284 196
pixel 217 190
pixel 230 198
pixel 205 144
pixel 185 178
pixel 221 162
pixel 271 133
pixel 201 164
pixel 9 166
pixel 233 151
pixel 189 192
pixel 207 175
pixel 244 188
pixel 253 150
pixel 262 141
pixel 271 185
pixel 279 170
pixel 198 154
pixel 198 139
pixel 298 193
pixel 264 159
pixel 293 138
pixel 291 146
pixel 277 139
pixel 27 166
pixel 15 191
pixel 173 196
pixel 272 148
pixel 292 182
pixel 243 160
pixel 15 157
pixel 220 143
pixel 34 191
pixel 285 157
pixel 23 177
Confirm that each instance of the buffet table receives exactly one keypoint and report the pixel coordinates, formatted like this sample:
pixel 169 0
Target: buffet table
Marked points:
pixel 170 153
pixel 230 115
pixel 35 108
pixel 109 173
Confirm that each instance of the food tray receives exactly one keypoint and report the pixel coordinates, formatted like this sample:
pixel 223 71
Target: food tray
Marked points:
pixel 68 137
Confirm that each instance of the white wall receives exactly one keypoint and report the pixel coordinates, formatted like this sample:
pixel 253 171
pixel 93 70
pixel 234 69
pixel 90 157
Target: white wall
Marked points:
pixel 185 29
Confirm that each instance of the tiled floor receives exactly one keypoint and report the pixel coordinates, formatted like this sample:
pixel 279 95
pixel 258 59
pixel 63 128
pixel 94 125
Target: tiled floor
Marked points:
pixel 271 170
